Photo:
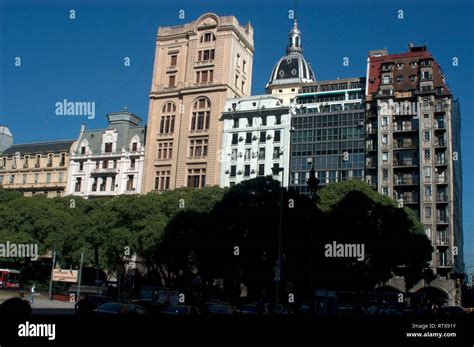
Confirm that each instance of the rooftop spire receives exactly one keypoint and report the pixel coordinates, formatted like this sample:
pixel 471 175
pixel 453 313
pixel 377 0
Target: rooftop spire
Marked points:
pixel 295 39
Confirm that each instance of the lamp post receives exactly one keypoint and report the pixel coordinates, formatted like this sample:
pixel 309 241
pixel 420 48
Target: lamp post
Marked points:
pixel 276 171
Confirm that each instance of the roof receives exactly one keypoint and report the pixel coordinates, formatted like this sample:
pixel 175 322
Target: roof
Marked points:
pixel 40 147
pixel 375 70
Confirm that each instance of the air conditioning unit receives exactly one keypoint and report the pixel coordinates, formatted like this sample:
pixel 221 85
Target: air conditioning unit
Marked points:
pixel 252 171
pixel 227 171
pixel 254 154
pixel 254 137
pixel 241 154
pixel 240 172
pixel 241 138
pixel 269 137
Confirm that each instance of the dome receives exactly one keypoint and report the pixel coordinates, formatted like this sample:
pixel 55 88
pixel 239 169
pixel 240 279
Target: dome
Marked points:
pixel 292 67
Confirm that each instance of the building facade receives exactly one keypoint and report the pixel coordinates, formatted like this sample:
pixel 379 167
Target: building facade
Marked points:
pixel 256 139
pixel 34 168
pixel 328 132
pixel 198 66
pixel 291 71
pixel 411 140
pixel 108 162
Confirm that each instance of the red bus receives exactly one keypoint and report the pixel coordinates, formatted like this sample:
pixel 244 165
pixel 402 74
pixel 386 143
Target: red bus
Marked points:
pixel 9 278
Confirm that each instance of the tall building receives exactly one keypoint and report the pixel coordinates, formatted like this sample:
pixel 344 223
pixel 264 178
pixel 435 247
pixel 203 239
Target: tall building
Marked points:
pixel 291 71
pixel 198 66
pixel 328 132
pixel 412 133
pixel 256 139
pixel 34 168
pixel 108 162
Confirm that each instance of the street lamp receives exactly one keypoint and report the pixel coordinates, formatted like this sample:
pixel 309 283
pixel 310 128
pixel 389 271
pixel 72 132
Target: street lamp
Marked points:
pixel 276 170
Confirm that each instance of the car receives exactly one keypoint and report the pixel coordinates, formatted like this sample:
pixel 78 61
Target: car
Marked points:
pixel 452 311
pixel 221 309
pixel 116 309
pixel 89 303
pixel 180 310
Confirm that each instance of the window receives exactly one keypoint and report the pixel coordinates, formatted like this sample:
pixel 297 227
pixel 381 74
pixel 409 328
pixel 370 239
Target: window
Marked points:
pixel 233 155
pixel 426 135
pixel 162 180
pixel 244 63
pixel 61 163
pixel 50 160
pixel 276 152
pixel 24 178
pixel 248 154
pixel 247 170
pixel 385 191
pixel 97 165
pixel 204 76
pixel 385 121
pixel 384 138
pixel 233 170
pixel 167 118
pixel 385 174
pixel 399 79
pixel 277 120
pixel 428 191
pixel 83 150
pixel 261 153
pixel 208 37
pixel 60 176
pixel 105 164
pixel 264 121
pixel 249 121
pixel 385 156
pixel 236 124
pixel 263 136
pixel 172 81
pixel 130 183
pixel 48 177
pixel 248 138
pixel 427 212
pixel 235 138
pixel 277 136
pixel 174 60
pixel 198 148
pixel 276 169
pixel 237 60
pixel 81 166
pixel 36 178
pixel 77 187
pixel 425 102
pixel 165 150
pixel 236 82
pixel 201 114
pixel 242 85
pixel 427 154
pixel 205 55
pixel 196 178
pixel 132 164
pixel 134 147
pixel 261 169
pixel 108 147
pixel 1 179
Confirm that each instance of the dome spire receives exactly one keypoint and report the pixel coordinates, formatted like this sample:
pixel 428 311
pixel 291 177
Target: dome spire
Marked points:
pixel 295 39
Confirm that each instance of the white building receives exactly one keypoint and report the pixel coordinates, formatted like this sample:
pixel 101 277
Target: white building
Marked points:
pixel 108 162
pixel 256 139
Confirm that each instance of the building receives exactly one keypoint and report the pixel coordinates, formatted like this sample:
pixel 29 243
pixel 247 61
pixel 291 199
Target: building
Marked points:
pixel 412 132
pixel 108 162
pixel 291 71
pixel 256 139
pixel 198 66
pixel 34 168
pixel 328 132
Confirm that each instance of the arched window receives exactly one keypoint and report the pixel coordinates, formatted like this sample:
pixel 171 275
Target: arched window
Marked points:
pixel 208 37
pixel 201 114
pixel 168 115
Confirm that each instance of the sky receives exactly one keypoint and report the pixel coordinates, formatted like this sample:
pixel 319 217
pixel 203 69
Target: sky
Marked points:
pixel 82 59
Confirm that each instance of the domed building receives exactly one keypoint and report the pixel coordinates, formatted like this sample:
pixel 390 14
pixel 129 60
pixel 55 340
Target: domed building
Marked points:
pixel 291 71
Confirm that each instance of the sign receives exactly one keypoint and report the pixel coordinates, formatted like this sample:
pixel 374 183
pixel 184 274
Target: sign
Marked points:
pixel 65 275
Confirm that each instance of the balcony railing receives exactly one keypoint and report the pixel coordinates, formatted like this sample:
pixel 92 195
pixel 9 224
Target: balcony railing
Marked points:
pixel 406 181
pixel 441 161
pixel 446 263
pixel 443 241
pixel 405 162
pixel 405 146
pixel 441 180
pixel 441 198
pixel 105 171
pixel 442 220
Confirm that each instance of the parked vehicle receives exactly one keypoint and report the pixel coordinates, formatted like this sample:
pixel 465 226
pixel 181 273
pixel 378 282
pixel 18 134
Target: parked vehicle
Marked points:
pixel 90 302
pixel 115 309
pixel 9 278
pixel 221 309
pixel 180 310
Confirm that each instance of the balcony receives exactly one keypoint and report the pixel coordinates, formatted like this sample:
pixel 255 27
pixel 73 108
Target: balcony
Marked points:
pixel 37 165
pixel 409 200
pixel 397 147
pixel 441 198
pixel 406 128
pixel 440 125
pixel 371 131
pixel 441 180
pixel 405 163
pixel 445 264
pixel 442 220
pixel 443 241
pixel 25 166
pixel 104 171
pixel 440 143
pixel 406 181
pixel 441 161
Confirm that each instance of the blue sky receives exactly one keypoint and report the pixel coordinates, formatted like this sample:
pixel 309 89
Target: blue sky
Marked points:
pixel 83 59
